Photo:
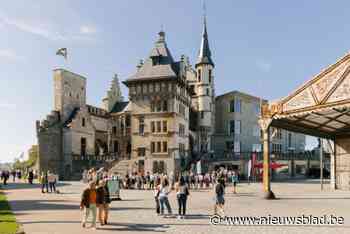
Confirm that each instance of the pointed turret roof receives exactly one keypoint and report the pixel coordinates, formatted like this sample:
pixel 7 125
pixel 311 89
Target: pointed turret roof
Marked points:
pixel 159 64
pixel 204 56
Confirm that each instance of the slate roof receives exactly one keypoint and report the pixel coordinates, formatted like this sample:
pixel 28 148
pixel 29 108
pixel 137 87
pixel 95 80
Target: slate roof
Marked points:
pixel 71 117
pixel 119 107
pixel 204 56
pixel 163 69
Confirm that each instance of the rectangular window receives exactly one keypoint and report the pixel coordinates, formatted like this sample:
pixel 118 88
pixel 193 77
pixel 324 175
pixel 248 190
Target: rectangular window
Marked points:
pixel 127 121
pixel 159 106
pixel 153 128
pixel 289 140
pixel 165 126
pixel 256 147
pixel 199 75
pixel 181 130
pixel 141 125
pixel 159 146
pixel 83 146
pixel 229 145
pixel 116 147
pixel 83 122
pixel 257 108
pixel 165 106
pixel 237 127
pixel 237 147
pixel 153 147
pixel 232 105
pixel 210 74
pixel 202 114
pixel 141 152
pixel 153 107
pixel 159 127
pixel 232 127
pixel 181 149
pixel 165 146
pixel 256 130
pixel 238 105
pixel 208 92
pixel 114 130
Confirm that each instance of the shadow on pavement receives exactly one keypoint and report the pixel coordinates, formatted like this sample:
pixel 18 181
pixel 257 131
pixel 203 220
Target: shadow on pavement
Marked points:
pixel 13 186
pixel 25 205
pixel 136 227
pixel 314 198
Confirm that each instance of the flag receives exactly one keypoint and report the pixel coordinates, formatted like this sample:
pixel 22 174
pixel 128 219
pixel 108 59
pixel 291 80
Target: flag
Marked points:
pixel 62 52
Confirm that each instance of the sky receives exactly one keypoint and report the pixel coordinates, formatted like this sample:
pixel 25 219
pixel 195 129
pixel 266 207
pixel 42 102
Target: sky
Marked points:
pixel 264 48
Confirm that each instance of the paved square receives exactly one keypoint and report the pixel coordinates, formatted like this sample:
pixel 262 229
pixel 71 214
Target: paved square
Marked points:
pixel 59 213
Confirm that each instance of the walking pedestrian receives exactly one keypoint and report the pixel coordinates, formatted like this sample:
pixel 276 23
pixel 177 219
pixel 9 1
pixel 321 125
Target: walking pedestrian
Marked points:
pixel 219 197
pixel 182 192
pixel 51 179
pixel 163 197
pixel 156 195
pixel 44 182
pixel 234 181
pixel 30 177
pixel 88 204
pixel 103 201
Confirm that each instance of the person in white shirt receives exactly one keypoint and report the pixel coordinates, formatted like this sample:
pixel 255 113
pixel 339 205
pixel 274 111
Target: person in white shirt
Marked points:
pixel 163 197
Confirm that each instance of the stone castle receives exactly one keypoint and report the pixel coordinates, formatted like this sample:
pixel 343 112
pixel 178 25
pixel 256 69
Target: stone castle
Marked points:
pixel 167 120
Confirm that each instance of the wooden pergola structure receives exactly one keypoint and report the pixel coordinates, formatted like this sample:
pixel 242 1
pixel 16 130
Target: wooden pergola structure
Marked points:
pixel 321 108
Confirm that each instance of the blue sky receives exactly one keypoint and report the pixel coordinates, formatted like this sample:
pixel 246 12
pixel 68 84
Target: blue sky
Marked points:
pixel 265 48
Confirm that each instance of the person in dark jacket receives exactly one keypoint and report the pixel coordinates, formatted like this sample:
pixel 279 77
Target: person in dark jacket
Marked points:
pixel 88 204
pixel 219 196
pixel 30 177
pixel 103 201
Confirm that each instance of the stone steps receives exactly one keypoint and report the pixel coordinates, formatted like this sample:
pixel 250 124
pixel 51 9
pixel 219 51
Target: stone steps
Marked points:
pixel 122 167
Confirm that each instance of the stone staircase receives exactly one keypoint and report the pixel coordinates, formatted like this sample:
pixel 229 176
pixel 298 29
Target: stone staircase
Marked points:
pixel 121 167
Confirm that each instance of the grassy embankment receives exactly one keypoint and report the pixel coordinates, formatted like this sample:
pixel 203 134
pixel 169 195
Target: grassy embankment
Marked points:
pixel 8 223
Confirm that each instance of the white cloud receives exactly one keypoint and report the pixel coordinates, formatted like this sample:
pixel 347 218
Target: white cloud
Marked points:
pixel 263 65
pixel 32 27
pixel 87 29
pixel 9 55
pixel 48 30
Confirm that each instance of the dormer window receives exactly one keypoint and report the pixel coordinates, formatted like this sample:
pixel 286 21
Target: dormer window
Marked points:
pixel 156 60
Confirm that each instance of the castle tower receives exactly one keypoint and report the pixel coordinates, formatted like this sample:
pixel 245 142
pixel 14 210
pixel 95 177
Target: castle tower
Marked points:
pixel 114 95
pixel 205 93
pixel 69 92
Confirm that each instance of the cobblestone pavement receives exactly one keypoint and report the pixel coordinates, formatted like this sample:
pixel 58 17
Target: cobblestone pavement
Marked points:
pixel 59 213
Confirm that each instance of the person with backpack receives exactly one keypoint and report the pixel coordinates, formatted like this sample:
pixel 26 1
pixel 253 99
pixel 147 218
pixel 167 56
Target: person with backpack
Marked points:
pixel 182 192
pixel 219 196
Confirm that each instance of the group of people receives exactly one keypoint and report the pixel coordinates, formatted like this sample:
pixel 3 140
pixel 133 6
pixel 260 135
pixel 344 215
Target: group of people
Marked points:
pixel 163 189
pixel 96 197
pixel 17 174
pixel 48 181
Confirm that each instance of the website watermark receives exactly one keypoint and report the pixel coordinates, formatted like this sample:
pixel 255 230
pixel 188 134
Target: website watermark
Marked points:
pixel 277 220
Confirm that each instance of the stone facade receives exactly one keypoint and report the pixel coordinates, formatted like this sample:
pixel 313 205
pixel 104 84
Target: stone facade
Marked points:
pixel 237 129
pixel 74 134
